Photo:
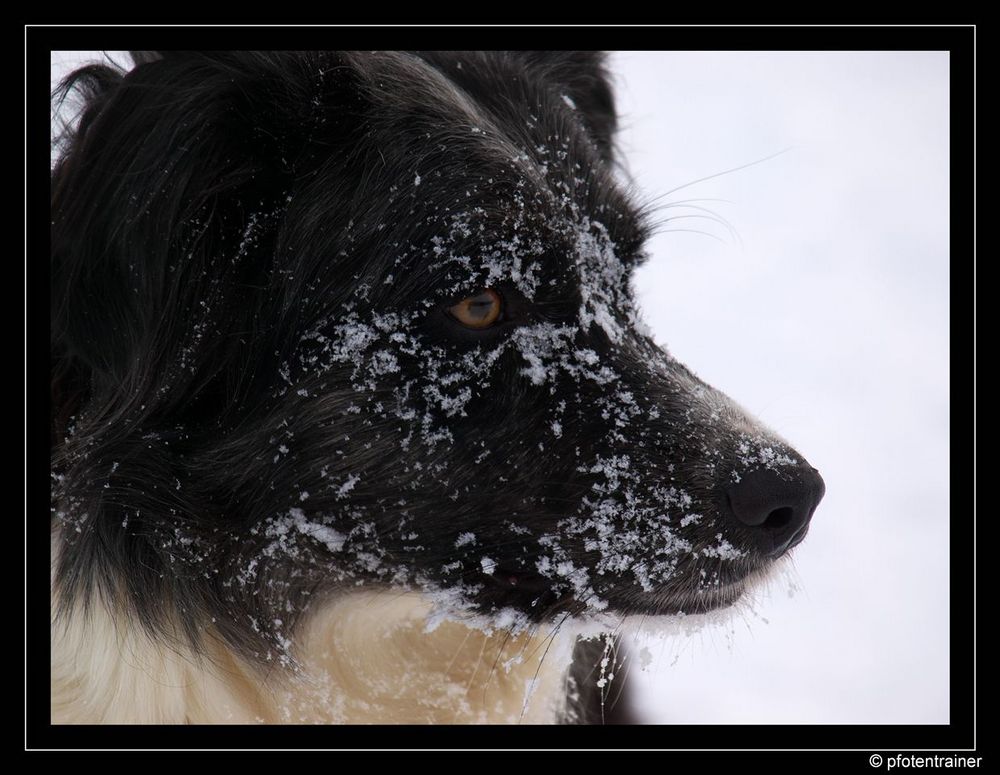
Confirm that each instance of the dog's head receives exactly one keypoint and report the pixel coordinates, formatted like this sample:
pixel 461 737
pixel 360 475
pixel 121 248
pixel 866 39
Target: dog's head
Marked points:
pixel 342 320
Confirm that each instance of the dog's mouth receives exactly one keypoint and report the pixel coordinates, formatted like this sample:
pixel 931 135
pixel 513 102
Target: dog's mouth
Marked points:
pixel 689 593
pixel 796 539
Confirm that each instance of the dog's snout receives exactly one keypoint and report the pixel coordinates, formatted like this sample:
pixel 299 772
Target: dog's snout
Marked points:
pixel 776 506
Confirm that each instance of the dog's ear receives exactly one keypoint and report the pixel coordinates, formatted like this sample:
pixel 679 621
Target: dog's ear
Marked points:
pixel 584 78
pixel 165 209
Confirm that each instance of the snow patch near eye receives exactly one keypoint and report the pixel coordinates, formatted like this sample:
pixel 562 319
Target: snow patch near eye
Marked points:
pixel 603 280
pixel 548 351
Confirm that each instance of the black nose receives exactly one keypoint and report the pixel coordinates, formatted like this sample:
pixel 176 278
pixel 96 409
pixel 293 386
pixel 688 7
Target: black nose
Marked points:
pixel 776 505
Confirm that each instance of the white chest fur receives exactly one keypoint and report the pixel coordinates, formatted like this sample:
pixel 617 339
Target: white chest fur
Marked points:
pixel 366 658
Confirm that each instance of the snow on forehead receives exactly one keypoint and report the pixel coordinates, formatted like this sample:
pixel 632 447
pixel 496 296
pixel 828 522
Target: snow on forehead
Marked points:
pixel 587 257
pixel 470 254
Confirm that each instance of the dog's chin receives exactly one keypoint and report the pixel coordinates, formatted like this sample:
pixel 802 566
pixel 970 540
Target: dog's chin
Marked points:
pixel 683 599
pixel 734 589
pixel 697 601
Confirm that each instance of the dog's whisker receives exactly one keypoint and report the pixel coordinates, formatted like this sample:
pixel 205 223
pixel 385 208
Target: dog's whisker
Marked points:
pixel 729 171
pixel 549 640
pixel 475 670
pixel 654 203
pixel 693 231
pixel 508 634
pixel 459 649
pixel 706 214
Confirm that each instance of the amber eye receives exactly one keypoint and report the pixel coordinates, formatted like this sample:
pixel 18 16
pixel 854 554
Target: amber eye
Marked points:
pixel 479 311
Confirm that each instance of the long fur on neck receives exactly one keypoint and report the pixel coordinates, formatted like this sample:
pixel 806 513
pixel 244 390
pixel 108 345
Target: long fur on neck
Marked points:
pixel 363 658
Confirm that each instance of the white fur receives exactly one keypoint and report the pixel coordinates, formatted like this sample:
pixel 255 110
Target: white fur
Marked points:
pixel 366 658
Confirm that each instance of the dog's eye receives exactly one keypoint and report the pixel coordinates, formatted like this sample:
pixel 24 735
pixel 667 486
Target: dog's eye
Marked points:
pixel 479 311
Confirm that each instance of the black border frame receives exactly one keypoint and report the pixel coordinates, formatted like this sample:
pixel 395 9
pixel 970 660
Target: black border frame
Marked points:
pixel 957 736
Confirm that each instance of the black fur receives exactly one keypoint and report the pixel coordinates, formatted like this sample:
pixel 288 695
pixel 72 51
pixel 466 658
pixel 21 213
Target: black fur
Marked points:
pixel 260 399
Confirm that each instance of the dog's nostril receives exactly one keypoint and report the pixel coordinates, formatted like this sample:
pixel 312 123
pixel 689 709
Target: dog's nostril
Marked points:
pixel 775 506
pixel 779 517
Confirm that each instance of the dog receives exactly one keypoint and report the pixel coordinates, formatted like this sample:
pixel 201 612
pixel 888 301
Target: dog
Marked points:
pixel 354 417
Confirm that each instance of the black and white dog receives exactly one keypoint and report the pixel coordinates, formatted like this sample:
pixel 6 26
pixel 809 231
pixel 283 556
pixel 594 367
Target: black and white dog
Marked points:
pixel 353 416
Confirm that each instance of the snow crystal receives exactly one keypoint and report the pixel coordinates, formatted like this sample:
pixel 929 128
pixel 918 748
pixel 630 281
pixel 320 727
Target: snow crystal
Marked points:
pixel 347 486
pixel 296 520
pixel 759 452
pixel 723 550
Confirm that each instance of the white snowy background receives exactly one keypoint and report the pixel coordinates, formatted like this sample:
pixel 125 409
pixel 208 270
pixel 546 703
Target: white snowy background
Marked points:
pixel 823 309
